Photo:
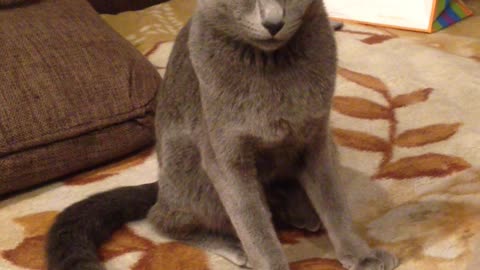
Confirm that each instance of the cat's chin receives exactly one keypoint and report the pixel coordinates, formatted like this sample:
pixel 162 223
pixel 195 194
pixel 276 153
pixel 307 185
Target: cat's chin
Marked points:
pixel 268 45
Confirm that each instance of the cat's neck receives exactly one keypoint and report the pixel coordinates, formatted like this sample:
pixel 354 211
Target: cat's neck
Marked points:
pixel 314 33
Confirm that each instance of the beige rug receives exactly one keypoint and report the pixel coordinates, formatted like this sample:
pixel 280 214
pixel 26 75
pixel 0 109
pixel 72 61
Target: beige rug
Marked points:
pixel 406 117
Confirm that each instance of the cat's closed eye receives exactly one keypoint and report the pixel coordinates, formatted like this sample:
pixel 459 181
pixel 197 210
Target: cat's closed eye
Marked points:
pixel 268 24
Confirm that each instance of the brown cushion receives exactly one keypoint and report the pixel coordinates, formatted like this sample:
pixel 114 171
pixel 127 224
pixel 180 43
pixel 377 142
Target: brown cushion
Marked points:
pixel 73 93
pixel 10 2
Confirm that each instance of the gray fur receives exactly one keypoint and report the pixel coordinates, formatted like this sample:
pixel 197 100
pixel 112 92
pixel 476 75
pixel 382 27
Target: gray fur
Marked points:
pixel 243 139
pixel 241 112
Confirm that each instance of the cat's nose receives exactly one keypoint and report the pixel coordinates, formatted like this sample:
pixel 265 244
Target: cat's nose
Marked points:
pixel 272 13
pixel 273 28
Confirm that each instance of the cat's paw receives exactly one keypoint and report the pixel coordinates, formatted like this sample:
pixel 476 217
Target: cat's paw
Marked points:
pixel 235 255
pixel 239 259
pixel 379 260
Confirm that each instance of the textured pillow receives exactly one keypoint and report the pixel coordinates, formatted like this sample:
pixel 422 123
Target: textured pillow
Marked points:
pixel 73 93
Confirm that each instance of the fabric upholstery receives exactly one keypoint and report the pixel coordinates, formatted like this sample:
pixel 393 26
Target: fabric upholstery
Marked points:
pixel 116 6
pixel 10 2
pixel 65 74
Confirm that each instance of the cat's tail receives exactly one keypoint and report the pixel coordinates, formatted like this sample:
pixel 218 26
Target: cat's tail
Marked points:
pixel 80 229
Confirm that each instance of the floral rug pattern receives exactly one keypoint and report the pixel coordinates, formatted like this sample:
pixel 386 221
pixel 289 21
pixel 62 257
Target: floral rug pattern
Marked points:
pixel 405 116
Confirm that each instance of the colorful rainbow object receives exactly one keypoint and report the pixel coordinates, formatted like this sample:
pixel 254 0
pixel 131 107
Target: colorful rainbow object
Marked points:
pixel 448 12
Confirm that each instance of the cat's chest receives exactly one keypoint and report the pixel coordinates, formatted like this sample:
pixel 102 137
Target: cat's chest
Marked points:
pixel 276 130
pixel 271 109
pixel 285 104
pixel 291 93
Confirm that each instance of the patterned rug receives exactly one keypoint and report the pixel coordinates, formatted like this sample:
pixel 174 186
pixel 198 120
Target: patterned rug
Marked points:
pixel 405 115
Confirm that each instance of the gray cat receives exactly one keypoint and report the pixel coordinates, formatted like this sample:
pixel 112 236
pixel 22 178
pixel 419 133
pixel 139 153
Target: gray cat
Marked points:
pixel 242 139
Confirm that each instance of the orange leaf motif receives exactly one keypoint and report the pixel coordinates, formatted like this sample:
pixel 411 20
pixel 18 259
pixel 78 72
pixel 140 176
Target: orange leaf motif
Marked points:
pixel 363 80
pixel 110 170
pixel 376 39
pixel 373 37
pixel 173 256
pixel 87 179
pixel 316 264
pixel 360 108
pixel 411 98
pixel 433 165
pixel 37 224
pixel 359 140
pixel 29 254
pixel 427 135
pixel 124 241
pixel 294 236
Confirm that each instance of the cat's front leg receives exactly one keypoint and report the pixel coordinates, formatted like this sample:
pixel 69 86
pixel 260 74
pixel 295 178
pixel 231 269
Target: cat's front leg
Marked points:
pixel 321 183
pixel 232 170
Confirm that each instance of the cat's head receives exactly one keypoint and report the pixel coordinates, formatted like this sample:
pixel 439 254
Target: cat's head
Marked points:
pixel 266 24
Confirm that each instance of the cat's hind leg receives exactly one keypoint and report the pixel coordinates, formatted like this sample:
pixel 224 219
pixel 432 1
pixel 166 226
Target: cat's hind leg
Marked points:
pixel 187 208
pixel 187 228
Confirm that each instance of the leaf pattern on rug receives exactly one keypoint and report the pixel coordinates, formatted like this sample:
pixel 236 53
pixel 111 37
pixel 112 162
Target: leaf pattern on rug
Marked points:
pixel 316 264
pixel 411 98
pixel 427 135
pixel 124 241
pixel 30 253
pixel 411 230
pixel 360 108
pixel 360 140
pixel 363 79
pixel 370 38
pixel 110 170
pixel 37 224
pixel 433 165
pixel 173 256
pixel 430 164
pixel 294 236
